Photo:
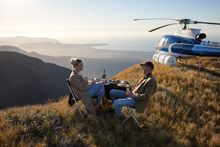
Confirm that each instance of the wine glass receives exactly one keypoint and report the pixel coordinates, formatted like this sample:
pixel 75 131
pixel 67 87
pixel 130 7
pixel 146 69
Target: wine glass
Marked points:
pixel 95 78
pixel 127 87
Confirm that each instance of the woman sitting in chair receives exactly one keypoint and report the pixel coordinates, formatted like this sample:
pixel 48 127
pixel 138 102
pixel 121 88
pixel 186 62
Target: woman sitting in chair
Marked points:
pixel 83 89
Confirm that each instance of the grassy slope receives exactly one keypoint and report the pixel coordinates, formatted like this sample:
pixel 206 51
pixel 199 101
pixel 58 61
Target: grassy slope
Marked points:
pixel 183 112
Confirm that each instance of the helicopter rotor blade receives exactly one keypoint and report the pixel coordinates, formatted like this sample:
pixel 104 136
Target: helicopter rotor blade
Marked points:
pixel 156 19
pixel 162 27
pixel 212 23
pixel 184 22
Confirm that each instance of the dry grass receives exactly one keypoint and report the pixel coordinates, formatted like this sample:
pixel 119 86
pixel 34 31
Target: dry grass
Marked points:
pixel 186 104
pixel 183 112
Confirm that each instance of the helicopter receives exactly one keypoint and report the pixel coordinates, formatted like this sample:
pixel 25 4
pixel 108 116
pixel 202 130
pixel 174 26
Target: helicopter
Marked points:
pixel 184 43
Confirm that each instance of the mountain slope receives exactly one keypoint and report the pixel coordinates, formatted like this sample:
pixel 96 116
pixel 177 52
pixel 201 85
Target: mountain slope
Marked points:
pixel 183 112
pixel 27 80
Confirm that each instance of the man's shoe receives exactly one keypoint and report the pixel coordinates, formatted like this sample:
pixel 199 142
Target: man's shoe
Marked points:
pixel 106 102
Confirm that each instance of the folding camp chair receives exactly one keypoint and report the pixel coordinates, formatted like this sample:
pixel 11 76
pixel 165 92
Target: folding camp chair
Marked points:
pixel 131 114
pixel 74 98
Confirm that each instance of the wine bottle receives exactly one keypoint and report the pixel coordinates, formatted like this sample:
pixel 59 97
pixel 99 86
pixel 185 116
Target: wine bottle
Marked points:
pixel 104 75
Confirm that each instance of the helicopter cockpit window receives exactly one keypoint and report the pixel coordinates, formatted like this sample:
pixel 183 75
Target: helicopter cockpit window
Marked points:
pixel 161 43
pixel 166 43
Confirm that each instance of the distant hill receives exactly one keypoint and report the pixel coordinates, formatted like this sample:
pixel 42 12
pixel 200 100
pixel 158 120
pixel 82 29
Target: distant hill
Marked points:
pixel 184 111
pixel 28 80
pixel 52 51
pixel 93 66
pixel 52 47
pixel 80 50
pixel 13 49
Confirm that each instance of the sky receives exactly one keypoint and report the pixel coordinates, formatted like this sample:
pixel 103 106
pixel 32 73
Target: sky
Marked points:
pixel 75 21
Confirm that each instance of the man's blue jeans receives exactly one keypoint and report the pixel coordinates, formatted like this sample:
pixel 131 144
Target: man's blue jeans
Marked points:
pixel 97 90
pixel 119 100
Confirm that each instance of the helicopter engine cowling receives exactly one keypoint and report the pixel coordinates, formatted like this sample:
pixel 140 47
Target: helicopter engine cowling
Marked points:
pixel 164 58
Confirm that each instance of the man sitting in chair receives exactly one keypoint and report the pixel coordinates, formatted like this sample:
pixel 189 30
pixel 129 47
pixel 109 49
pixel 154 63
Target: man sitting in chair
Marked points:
pixel 83 89
pixel 139 96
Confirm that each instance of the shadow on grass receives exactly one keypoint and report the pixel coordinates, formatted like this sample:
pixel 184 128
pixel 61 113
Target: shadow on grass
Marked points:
pixel 106 130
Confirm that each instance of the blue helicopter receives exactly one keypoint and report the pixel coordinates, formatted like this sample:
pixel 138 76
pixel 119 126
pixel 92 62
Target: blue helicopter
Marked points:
pixel 185 43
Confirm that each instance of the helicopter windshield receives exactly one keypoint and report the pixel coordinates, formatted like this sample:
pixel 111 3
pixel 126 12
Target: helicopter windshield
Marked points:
pixel 166 41
pixel 162 42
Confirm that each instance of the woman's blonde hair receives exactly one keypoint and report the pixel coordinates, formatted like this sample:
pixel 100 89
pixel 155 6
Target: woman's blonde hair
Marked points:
pixel 75 61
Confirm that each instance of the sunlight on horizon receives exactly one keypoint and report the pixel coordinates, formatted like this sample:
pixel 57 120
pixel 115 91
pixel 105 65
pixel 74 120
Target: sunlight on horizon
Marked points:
pixel 94 21
pixel 15 4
